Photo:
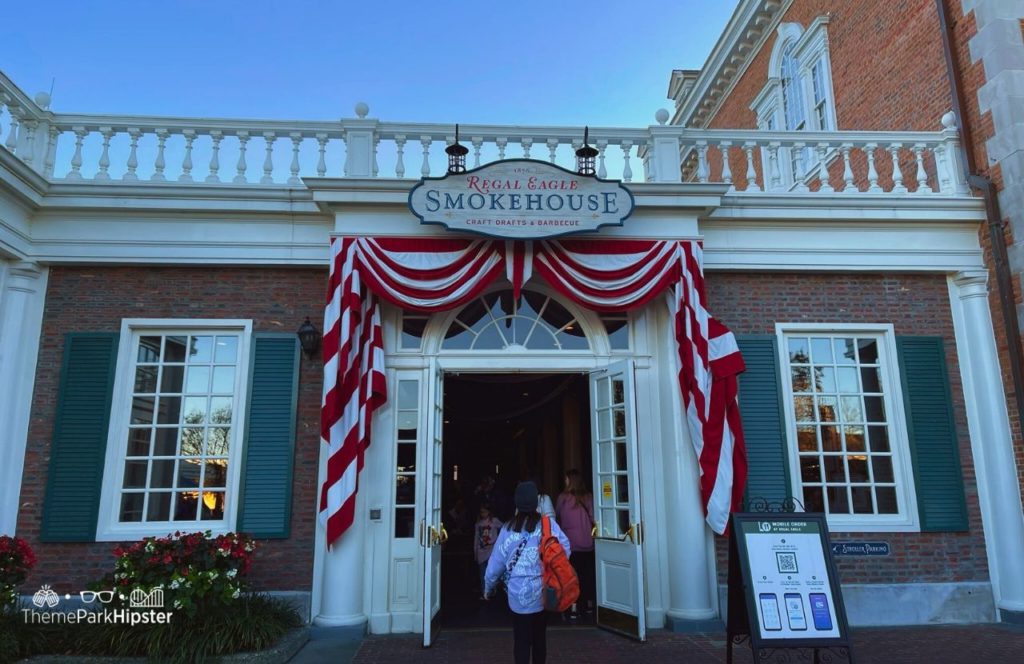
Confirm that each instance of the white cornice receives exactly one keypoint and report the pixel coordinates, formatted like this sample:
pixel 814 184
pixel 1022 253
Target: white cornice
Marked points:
pixel 746 33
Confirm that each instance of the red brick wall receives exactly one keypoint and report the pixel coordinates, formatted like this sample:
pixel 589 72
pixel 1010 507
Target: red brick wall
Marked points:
pixel 95 299
pixel 752 303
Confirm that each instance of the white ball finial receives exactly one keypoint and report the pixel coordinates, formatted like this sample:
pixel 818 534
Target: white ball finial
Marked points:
pixel 42 99
pixel 661 115
pixel 949 120
pixel 362 109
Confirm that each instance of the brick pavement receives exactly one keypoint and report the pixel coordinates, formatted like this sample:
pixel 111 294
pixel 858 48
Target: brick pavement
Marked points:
pixel 970 644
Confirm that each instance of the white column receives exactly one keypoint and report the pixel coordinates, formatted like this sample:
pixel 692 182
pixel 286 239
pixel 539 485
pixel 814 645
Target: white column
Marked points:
pixel 22 291
pixel 688 539
pixel 991 443
pixel 341 595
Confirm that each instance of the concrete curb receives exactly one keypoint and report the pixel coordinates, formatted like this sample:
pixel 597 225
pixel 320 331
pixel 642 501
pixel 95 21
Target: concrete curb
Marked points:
pixel 279 653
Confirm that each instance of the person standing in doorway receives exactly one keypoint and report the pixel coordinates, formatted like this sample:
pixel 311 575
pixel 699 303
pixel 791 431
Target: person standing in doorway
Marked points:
pixel 516 557
pixel 485 534
pixel 575 514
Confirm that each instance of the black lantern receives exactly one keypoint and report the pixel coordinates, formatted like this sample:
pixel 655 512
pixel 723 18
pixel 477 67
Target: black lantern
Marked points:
pixel 586 155
pixel 309 338
pixel 457 155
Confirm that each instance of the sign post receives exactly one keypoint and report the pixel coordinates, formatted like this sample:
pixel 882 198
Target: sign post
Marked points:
pixel 784 593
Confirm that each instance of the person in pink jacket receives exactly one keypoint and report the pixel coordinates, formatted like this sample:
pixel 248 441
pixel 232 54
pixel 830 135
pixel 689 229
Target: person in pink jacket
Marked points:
pixel 575 513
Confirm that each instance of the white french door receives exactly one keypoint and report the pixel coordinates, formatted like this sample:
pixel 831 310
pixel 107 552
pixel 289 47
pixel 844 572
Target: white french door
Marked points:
pixel 619 536
pixel 432 533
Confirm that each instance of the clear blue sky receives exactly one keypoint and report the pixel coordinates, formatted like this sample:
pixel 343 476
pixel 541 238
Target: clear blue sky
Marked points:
pixel 602 62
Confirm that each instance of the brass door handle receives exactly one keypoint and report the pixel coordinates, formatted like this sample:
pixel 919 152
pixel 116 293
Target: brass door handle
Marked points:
pixel 444 534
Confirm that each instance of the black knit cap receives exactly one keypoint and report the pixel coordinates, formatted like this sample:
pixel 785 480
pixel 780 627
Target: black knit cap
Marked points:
pixel 526 497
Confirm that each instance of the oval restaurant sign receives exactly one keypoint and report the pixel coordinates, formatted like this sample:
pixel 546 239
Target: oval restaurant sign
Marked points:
pixel 521 199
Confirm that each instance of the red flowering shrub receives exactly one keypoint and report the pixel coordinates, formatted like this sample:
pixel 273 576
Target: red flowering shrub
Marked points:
pixel 193 570
pixel 16 559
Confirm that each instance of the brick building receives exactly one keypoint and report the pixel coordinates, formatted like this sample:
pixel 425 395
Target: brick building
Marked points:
pixel 155 271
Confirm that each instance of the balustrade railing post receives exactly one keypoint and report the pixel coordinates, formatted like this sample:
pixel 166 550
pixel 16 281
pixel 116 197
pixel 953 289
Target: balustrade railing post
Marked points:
pixel 30 139
pixel 664 153
pixel 269 138
pixel 360 144
pixel 602 145
pixel 823 175
pixel 703 170
pixel 159 163
pixel 627 171
pixel 400 152
pixel 848 185
pixel 774 176
pixel 869 150
pixel 552 149
pixel 12 136
pixel 477 142
pixel 104 163
pixel 51 151
pixel 321 161
pixel 897 172
pixel 723 148
pixel 425 166
pixel 954 180
pixel 241 166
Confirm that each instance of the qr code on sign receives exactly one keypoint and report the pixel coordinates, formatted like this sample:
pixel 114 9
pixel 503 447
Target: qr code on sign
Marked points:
pixel 787 562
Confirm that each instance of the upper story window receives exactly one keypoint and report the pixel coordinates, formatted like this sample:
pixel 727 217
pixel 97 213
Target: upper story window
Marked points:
pixel 798 94
pixel 850 456
pixel 172 460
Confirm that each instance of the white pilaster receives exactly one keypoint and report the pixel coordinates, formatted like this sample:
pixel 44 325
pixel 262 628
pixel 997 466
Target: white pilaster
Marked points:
pixel 991 442
pixel 344 567
pixel 688 539
pixel 22 291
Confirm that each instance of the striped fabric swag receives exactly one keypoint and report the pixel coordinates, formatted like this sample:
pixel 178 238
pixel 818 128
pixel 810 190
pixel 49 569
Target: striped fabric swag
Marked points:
pixel 430 275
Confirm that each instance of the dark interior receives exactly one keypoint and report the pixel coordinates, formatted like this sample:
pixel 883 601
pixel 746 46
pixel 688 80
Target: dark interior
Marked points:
pixel 508 427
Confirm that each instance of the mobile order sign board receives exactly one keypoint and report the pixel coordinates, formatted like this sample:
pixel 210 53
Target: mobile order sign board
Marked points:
pixel 783 589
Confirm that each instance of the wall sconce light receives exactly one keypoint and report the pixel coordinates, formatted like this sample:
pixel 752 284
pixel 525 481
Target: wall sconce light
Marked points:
pixel 309 338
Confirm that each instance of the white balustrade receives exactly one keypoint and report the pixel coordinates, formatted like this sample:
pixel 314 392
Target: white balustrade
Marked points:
pixel 99 149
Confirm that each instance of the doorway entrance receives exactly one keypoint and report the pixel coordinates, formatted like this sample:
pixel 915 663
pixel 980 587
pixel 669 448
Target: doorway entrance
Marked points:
pixel 498 430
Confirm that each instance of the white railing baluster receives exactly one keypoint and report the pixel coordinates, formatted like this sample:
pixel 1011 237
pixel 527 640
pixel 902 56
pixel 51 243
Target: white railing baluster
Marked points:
pixel 752 185
pixel 400 150
pixel 775 177
pixel 216 136
pixel 186 161
pixel 501 142
pixel 269 138
pixel 723 148
pixel 897 172
pixel 921 176
pixel 425 168
pixel 296 137
pixel 848 185
pixel 526 143
pixel 799 155
pixel 30 139
pixel 12 135
pixel 552 149
pixel 321 162
pixel 51 151
pixel 873 187
pixel 76 159
pixel 376 147
pixel 823 175
pixel 601 146
pixel 477 142
pixel 133 157
pixel 703 170
pixel 241 166
pixel 627 172
pixel 104 163
pixel 159 164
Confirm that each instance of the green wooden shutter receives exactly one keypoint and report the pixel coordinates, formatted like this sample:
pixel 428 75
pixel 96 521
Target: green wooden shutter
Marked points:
pixel 80 429
pixel 761 410
pixel 933 441
pixel 266 499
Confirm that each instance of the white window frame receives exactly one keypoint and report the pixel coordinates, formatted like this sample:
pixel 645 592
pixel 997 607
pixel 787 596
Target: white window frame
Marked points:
pixel 907 520
pixel 108 526
pixel 810 47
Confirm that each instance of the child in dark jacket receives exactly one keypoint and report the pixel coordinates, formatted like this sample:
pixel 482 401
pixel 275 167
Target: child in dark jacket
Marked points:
pixel 485 534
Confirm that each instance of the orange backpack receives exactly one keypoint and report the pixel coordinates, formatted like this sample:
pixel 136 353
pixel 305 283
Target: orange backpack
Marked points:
pixel 561 587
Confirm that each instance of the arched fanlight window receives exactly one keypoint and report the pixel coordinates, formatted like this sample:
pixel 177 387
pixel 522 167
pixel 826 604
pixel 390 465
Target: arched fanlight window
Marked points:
pixel 496 321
